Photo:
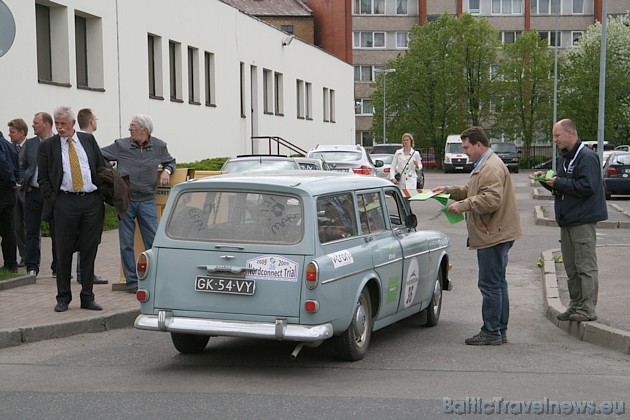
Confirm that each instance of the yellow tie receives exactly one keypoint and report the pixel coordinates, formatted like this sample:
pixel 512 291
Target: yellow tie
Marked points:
pixel 75 167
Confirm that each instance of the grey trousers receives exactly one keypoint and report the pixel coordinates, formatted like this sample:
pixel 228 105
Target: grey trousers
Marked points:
pixel 580 262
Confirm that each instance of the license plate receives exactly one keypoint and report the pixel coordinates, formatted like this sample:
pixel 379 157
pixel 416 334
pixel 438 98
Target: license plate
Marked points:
pixel 340 170
pixel 627 171
pixel 459 167
pixel 223 285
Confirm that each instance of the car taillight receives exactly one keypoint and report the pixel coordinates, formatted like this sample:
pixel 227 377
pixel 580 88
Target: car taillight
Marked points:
pixel 142 266
pixel 387 170
pixel 311 306
pixel 363 170
pixel 312 275
pixel 142 295
pixel 611 171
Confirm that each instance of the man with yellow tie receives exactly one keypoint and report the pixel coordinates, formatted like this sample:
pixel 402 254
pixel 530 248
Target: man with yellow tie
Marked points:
pixel 67 164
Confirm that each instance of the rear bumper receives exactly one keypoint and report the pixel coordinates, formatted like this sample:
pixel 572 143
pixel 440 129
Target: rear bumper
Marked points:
pixel 280 330
pixel 466 167
pixel 619 185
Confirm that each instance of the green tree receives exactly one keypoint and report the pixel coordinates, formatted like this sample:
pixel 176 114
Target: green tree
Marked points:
pixel 441 85
pixel 525 89
pixel 578 84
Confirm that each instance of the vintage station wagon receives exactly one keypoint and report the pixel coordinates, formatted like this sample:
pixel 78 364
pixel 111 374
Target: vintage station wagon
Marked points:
pixel 303 256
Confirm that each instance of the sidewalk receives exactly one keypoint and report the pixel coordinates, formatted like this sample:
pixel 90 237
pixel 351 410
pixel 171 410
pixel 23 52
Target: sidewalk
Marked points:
pixel 26 312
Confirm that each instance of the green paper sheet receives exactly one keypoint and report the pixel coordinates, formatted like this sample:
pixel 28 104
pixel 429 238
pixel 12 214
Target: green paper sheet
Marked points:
pixel 453 217
pixel 550 174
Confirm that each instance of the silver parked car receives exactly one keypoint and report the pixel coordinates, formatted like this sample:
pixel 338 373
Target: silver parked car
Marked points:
pixel 248 163
pixel 345 158
pixel 312 164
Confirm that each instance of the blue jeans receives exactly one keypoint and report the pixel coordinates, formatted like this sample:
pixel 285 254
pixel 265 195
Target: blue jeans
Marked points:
pixel 495 309
pixel 146 214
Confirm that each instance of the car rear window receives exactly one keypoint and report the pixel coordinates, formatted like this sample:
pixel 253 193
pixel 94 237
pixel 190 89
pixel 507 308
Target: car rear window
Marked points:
pixel 231 216
pixel 337 156
pixel 503 147
pixel 258 165
pixel 386 149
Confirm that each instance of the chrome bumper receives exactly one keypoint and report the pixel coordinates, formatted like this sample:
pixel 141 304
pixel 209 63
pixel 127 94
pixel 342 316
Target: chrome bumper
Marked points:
pixel 280 330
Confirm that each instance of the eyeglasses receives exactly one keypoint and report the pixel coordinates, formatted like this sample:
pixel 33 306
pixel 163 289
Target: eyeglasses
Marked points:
pixel 555 136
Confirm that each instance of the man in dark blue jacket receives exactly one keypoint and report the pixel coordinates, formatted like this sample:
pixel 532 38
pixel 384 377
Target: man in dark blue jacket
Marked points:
pixel 579 204
pixel 9 176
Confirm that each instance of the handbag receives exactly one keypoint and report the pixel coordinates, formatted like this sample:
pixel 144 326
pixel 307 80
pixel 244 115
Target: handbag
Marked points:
pixel 397 174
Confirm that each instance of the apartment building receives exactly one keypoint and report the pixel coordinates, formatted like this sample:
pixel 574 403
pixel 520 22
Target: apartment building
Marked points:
pixel 210 76
pixel 377 31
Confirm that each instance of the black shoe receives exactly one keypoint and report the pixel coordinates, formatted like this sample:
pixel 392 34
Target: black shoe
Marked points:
pixel 132 290
pixel 504 338
pixel 99 280
pixel 32 273
pixel 582 318
pixel 61 307
pixel 91 305
pixel 482 339
pixel 564 316
pixel 54 274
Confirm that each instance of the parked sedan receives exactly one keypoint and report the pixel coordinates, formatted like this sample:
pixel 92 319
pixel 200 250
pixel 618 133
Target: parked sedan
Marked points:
pixel 616 174
pixel 299 256
pixel 385 170
pixel 344 158
pixel 250 163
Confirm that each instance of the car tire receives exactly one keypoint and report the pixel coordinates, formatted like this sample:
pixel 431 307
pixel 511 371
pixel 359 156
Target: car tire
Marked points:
pixel 189 343
pixel 515 170
pixel 420 183
pixel 353 343
pixel 435 305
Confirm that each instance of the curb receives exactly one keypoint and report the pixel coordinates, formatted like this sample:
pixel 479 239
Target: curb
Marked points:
pixel 592 331
pixel 541 220
pixel 18 281
pixel 9 338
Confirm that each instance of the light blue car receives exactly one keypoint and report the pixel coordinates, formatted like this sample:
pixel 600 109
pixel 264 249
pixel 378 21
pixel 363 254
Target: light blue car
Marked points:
pixel 303 256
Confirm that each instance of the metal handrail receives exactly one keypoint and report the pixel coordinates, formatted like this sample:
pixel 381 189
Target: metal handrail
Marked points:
pixel 279 142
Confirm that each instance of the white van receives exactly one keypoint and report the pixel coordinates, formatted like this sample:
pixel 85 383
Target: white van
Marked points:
pixel 454 157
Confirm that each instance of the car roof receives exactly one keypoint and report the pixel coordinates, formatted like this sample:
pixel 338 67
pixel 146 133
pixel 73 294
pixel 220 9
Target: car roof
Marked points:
pixel 335 147
pixel 309 182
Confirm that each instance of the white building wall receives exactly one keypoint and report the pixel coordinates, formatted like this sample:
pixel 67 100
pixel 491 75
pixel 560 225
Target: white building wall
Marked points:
pixel 193 131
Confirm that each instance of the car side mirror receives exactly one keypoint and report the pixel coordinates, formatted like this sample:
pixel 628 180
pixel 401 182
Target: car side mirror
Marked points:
pixel 378 163
pixel 411 222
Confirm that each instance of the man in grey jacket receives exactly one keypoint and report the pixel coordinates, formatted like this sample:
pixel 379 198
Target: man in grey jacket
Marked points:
pixel 138 157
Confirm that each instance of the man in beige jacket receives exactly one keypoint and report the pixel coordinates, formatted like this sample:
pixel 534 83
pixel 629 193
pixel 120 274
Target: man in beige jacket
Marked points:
pixel 493 224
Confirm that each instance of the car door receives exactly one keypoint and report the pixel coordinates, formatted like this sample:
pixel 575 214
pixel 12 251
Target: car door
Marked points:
pixel 415 252
pixel 384 247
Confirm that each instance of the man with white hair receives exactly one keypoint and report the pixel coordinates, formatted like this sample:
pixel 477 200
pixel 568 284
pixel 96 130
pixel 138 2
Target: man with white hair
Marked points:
pixel 138 157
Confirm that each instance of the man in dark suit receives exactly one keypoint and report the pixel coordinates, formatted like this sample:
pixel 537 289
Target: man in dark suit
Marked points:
pixel 18 130
pixel 67 163
pixel 9 173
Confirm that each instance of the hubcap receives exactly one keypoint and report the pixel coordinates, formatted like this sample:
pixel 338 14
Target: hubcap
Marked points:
pixel 437 294
pixel 359 322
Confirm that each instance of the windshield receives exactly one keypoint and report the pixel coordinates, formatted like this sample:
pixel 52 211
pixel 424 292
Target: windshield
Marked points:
pixel 258 165
pixel 232 216
pixel 454 148
pixel 503 147
pixel 337 156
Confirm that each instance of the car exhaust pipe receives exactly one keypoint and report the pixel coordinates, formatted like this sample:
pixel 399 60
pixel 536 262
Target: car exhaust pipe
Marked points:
pixel 296 351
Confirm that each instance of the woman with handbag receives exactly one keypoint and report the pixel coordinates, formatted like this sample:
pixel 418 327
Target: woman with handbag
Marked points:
pixel 405 164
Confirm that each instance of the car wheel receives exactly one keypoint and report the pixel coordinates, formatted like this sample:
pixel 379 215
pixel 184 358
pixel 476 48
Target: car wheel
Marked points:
pixel 189 343
pixel 515 170
pixel 435 305
pixel 420 184
pixel 353 343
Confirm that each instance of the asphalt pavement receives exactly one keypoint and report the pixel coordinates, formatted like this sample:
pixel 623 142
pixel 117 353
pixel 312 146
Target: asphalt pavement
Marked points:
pixel 27 315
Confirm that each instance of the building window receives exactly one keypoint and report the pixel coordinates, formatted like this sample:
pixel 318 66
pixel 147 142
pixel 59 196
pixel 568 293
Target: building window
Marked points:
pixel 507 7
pixel 331 108
pixel 363 107
pixel 278 93
pixel 268 91
pixel 550 37
pixel 174 65
pixel 242 87
pixel 575 37
pixel 80 38
pixel 369 7
pixel 402 39
pixel 369 39
pixel 578 7
pixel 473 6
pixel 326 105
pixel 544 7
pixel 299 89
pixel 308 100
pixel 155 66
pixel 209 78
pixel 401 7
pixel 193 76
pixel 88 51
pixel 287 29
pixel 508 37
pixel 364 138
pixel 53 65
pixel 364 73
